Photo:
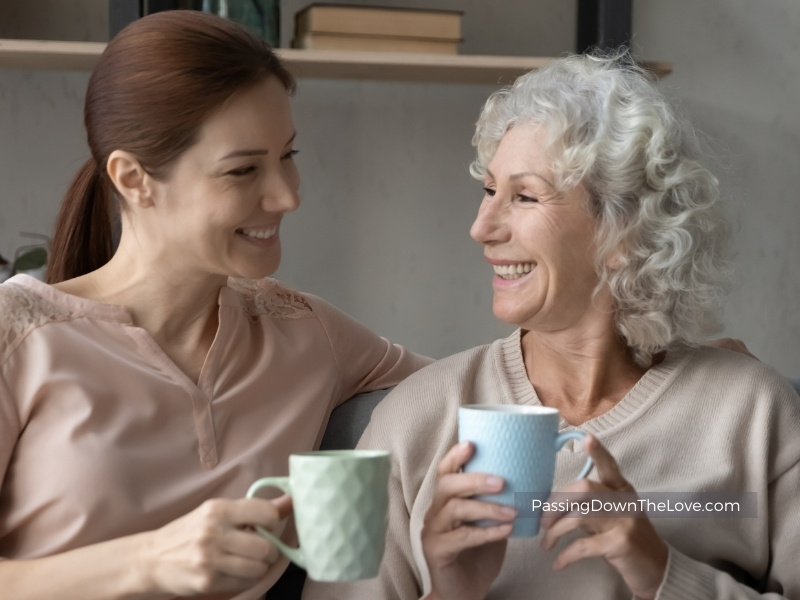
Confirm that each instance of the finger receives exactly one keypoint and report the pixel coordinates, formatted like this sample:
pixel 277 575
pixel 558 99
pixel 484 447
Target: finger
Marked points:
pixel 284 506
pixel 574 495
pixel 463 485
pixel 242 568
pixel 459 510
pixel 585 547
pixel 444 548
pixel 469 484
pixel 607 468
pixel 249 544
pixel 571 522
pixel 455 459
pixel 254 511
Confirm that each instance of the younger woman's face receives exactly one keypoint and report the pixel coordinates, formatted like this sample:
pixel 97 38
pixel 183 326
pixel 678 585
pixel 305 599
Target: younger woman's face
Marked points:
pixel 221 206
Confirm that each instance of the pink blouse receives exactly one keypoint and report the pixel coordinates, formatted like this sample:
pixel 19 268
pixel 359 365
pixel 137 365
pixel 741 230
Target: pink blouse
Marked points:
pixel 102 435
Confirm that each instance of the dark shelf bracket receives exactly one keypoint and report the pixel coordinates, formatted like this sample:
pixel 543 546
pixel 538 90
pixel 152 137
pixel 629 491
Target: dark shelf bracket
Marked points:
pixel 604 24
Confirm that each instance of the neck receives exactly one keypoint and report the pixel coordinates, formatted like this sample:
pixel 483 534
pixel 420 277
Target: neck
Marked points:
pixel 175 307
pixel 582 374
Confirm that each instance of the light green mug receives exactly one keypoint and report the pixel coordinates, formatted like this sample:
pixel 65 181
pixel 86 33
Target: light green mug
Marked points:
pixel 341 503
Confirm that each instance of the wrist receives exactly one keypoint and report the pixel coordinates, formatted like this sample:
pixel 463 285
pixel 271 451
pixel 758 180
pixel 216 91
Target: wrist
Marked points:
pixel 139 578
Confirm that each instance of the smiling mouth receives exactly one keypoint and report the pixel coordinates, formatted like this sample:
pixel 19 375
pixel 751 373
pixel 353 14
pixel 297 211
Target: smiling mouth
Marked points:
pixel 508 272
pixel 258 234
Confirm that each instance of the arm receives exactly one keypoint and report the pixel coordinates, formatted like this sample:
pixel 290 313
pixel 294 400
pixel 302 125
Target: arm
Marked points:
pixel 633 548
pixel 202 552
pixel 365 360
pixel 206 550
pixel 688 576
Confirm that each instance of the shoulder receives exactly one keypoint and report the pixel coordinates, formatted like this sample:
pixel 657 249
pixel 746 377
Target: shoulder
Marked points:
pixel 269 297
pixel 763 400
pixel 23 311
pixel 426 395
pixel 737 371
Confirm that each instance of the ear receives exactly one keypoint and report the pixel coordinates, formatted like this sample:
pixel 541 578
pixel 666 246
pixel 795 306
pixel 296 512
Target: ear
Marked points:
pixel 130 178
pixel 617 260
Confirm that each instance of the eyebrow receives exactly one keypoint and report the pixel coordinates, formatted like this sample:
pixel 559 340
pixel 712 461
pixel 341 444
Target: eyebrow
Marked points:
pixel 254 151
pixel 516 176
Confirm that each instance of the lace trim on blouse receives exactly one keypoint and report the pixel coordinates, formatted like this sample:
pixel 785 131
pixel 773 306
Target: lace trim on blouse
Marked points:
pixel 268 297
pixel 23 311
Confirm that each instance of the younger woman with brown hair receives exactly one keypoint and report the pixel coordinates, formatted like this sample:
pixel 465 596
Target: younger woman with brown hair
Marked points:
pixel 142 392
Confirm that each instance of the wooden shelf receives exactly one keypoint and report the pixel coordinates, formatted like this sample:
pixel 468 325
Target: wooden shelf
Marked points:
pixel 387 66
pixel 35 54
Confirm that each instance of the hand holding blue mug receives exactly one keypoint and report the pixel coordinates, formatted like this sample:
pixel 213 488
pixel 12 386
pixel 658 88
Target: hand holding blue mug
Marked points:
pixel 518 444
pixel 466 528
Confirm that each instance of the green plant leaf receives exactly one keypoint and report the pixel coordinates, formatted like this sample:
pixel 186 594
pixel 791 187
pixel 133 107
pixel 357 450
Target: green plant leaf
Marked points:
pixel 32 259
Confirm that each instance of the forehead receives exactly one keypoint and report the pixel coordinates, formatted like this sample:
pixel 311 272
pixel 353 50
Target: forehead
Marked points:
pixel 261 113
pixel 522 148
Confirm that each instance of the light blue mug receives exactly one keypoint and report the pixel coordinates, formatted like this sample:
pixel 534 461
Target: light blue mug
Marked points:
pixel 519 444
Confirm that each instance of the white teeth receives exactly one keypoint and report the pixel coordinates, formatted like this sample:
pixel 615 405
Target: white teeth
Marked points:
pixel 260 234
pixel 513 271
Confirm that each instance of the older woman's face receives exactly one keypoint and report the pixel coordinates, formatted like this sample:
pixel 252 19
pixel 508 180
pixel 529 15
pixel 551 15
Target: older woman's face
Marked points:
pixel 539 241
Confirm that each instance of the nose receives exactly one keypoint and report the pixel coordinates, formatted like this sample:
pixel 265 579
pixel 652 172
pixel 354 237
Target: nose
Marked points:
pixel 490 224
pixel 281 192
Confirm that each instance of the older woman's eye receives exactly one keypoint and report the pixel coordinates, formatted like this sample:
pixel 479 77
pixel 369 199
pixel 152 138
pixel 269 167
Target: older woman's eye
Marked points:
pixel 523 198
pixel 489 191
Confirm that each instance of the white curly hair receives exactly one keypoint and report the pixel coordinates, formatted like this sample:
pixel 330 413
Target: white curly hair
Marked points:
pixel 661 237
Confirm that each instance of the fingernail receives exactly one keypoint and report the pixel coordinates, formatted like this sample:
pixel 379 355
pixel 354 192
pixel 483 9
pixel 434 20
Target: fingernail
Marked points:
pixel 464 445
pixel 508 511
pixel 494 482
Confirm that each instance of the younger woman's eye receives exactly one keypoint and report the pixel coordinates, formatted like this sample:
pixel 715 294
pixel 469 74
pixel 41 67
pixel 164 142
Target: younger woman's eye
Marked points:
pixel 489 191
pixel 290 154
pixel 241 172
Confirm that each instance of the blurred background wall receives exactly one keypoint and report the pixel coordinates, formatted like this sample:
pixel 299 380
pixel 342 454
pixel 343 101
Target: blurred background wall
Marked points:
pixel 387 198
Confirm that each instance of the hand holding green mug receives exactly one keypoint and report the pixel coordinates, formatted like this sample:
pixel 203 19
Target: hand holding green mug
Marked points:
pixel 341 502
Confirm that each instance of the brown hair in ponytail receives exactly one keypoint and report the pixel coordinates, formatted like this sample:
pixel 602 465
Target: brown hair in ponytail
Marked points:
pixel 152 89
pixel 82 240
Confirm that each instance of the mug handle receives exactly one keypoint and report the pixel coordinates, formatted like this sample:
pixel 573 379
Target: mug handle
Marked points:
pixel 562 438
pixel 282 483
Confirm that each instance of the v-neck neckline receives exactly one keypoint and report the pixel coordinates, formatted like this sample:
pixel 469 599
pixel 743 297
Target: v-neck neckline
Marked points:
pixel 640 397
pixel 147 345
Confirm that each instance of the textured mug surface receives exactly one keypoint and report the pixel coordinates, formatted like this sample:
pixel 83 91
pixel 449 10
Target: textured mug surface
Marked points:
pixel 519 444
pixel 341 502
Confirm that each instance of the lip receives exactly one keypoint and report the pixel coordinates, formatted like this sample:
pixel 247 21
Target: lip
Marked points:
pixel 260 242
pixel 500 283
pixel 502 262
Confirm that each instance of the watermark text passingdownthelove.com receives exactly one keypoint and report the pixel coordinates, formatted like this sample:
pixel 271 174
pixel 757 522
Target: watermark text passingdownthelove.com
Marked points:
pixel 642 504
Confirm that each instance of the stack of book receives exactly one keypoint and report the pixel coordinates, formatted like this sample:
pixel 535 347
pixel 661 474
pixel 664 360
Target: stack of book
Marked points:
pixel 377 29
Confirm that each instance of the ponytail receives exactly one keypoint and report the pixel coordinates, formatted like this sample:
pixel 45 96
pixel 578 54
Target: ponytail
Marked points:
pixel 82 241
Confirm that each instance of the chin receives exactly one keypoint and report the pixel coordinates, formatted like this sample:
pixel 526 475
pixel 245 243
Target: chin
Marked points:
pixel 257 270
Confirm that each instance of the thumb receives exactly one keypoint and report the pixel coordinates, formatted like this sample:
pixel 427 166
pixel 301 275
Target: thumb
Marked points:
pixel 284 505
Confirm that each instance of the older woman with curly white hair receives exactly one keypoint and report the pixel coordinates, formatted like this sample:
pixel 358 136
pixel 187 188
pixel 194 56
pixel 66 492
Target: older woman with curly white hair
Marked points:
pixel 604 232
